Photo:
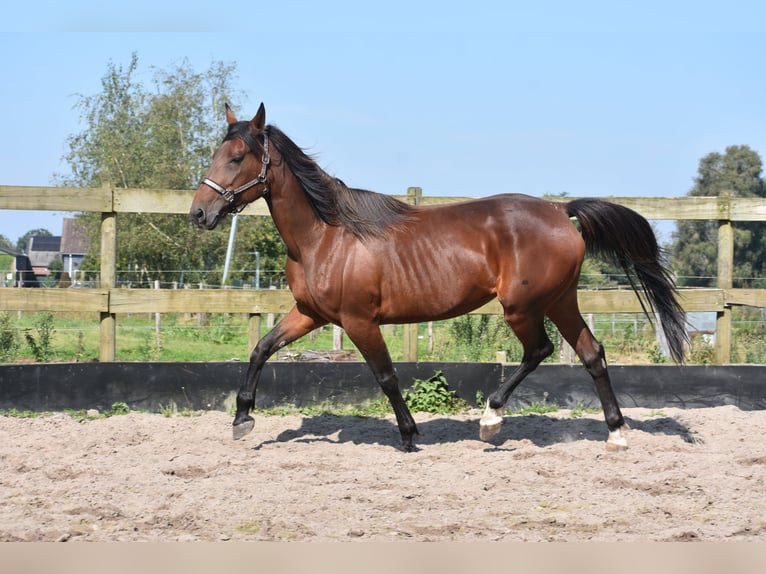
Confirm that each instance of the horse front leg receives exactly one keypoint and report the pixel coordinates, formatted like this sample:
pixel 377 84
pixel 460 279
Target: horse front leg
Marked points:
pixel 369 340
pixel 293 326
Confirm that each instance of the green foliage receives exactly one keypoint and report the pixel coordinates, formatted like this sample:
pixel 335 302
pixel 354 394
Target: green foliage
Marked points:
pixel 536 408
pixel 119 408
pixel 219 337
pixel 218 330
pixel 116 409
pixel 375 408
pixel 750 336
pixel 433 395
pixel 152 347
pixel 694 249
pixel 9 338
pixel 41 347
pixel 656 356
pixel 702 352
pixel 55 269
pixel 161 137
pixel 581 410
pixel 479 337
pixel 17 414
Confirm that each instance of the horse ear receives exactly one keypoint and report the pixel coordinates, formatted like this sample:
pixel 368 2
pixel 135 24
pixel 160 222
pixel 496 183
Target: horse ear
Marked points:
pixel 259 121
pixel 230 117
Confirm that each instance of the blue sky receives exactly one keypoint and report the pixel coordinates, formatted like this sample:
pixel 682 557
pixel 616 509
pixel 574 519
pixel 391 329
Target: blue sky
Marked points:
pixel 587 98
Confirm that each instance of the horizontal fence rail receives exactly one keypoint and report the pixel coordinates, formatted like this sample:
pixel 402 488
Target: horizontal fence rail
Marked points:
pixel 109 300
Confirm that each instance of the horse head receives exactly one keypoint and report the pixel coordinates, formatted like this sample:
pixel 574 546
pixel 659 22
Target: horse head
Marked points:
pixel 238 173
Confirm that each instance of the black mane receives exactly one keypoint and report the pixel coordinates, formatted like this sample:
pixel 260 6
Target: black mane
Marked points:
pixel 364 213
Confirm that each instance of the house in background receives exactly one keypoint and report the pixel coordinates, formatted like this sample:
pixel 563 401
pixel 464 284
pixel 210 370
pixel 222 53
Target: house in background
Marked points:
pixel 31 269
pixel 74 245
pixel 42 250
pixel 21 273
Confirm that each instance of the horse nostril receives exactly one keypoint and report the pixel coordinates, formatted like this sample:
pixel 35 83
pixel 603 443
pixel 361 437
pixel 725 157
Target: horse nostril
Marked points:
pixel 198 216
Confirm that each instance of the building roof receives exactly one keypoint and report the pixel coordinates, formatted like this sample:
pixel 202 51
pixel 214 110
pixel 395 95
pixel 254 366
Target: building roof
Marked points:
pixel 74 238
pixel 10 251
pixel 45 243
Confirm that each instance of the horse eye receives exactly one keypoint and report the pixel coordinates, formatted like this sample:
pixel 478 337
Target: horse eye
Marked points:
pixel 237 159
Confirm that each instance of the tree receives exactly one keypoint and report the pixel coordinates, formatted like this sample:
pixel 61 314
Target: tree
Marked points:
pixel 695 243
pixel 162 139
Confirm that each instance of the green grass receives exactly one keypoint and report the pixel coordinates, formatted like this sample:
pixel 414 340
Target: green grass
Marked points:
pixel 580 410
pixel 223 337
pixel 536 408
pixel 117 409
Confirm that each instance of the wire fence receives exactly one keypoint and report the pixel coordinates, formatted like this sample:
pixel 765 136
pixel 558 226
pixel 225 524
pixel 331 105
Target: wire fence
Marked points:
pixel 275 279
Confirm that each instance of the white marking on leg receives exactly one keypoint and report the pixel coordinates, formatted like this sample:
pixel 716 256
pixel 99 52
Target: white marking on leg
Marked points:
pixel 490 422
pixel 616 440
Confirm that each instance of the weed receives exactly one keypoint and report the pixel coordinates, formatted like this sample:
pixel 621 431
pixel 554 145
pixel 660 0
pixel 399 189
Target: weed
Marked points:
pixel 168 410
pixel 536 408
pixel 17 414
pixel 119 409
pixel 9 338
pixel 656 355
pixel 580 410
pixel 702 351
pixel 41 347
pixel 80 346
pixel 152 349
pixel 478 338
pixel 374 408
pixel 433 395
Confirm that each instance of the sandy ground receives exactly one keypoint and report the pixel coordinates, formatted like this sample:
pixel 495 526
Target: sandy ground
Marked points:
pixel 696 474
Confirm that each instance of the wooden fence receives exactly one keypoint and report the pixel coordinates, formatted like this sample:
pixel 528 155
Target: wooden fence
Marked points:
pixel 110 301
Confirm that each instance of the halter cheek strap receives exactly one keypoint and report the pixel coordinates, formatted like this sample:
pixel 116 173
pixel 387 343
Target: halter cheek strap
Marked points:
pixel 231 194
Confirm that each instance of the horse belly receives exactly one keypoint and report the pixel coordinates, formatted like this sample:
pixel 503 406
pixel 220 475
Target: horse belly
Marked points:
pixel 434 291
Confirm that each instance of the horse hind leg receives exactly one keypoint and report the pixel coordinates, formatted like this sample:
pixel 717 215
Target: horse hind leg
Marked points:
pixel 537 347
pixel 573 328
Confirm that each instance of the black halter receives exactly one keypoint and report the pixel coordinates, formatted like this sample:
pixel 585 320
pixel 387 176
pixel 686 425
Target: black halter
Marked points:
pixel 231 194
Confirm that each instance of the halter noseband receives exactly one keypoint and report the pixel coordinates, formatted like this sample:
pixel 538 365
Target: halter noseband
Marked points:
pixel 231 194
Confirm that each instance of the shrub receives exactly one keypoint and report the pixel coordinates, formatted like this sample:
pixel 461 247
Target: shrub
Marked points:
pixel 9 338
pixel 42 347
pixel 433 395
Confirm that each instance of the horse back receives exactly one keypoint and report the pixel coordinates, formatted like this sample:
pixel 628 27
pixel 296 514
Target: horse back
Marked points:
pixel 446 260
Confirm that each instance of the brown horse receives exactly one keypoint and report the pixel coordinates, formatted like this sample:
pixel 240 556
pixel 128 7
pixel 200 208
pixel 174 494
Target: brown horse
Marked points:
pixel 359 259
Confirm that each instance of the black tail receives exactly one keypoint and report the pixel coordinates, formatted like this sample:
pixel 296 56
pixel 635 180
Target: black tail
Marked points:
pixel 622 235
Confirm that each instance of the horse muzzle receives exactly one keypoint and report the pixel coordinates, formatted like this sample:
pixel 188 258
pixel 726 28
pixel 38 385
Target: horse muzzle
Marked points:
pixel 207 219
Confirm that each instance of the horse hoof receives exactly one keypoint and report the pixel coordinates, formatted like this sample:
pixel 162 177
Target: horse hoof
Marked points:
pixel 486 431
pixel 241 429
pixel 616 441
pixel 490 422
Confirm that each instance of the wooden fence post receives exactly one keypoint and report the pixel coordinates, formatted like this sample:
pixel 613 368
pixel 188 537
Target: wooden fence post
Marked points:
pixel 410 342
pixel 723 328
pixel 108 325
pixel 337 338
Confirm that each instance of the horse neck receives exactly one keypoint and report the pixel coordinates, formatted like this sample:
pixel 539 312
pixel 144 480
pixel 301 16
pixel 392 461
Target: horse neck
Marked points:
pixel 292 213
